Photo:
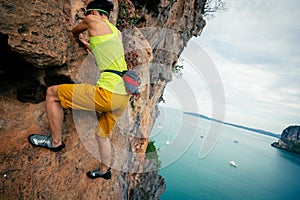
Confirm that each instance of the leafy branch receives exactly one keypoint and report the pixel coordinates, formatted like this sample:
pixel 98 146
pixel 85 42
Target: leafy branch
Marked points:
pixel 212 6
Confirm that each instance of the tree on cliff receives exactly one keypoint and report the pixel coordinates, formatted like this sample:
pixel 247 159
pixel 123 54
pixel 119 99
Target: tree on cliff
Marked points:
pixel 212 6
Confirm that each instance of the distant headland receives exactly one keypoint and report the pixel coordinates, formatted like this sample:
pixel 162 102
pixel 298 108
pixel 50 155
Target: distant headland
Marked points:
pixel 289 140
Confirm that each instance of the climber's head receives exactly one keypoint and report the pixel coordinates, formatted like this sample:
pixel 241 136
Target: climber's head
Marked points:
pixel 103 7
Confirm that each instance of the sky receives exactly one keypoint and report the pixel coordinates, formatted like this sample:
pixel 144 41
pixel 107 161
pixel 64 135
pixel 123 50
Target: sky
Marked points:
pixel 254 47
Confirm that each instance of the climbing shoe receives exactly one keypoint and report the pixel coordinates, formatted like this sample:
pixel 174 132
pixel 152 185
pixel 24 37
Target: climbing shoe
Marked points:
pixel 44 141
pixel 98 174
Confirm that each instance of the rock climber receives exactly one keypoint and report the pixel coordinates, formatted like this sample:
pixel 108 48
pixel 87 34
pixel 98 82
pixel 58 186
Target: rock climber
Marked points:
pixel 108 96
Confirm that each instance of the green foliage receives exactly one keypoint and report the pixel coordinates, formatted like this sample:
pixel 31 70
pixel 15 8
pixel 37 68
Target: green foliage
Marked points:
pixel 151 153
pixel 287 141
pixel 122 12
pixel 296 147
pixel 135 19
pixel 151 147
pixel 177 69
pixel 213 6
pixel 126 17
pixel 122 21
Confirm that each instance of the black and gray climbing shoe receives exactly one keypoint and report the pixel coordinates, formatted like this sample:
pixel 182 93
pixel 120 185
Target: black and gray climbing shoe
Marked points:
pixel 98 174
pixel 44 141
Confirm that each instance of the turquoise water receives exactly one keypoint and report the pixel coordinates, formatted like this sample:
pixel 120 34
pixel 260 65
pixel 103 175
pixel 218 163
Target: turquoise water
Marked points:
pixel 263 172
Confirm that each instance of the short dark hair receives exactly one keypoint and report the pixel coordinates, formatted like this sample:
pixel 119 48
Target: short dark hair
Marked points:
pixel 104 6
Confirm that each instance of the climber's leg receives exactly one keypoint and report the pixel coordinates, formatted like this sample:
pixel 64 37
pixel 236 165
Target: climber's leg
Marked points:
pixel 55 115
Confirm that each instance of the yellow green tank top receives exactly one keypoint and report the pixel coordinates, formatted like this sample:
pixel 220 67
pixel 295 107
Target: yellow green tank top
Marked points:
pixel 109 54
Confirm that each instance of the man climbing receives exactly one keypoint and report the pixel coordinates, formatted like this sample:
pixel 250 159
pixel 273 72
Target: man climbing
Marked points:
pixel 108 96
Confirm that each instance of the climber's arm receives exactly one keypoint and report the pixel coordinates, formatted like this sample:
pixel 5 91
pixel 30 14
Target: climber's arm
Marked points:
pixel 83 26
pixel 85 43
pixel 86 24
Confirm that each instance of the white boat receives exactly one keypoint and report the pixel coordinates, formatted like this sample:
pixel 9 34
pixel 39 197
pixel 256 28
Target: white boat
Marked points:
pixel 232 163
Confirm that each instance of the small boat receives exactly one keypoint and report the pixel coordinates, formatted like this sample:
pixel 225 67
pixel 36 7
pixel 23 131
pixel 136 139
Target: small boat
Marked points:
pixel 232 163
pixel 167 142
pixel 235 141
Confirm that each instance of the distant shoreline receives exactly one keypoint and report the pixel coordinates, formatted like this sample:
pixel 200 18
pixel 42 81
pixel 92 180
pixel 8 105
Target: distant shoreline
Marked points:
pixel 263 132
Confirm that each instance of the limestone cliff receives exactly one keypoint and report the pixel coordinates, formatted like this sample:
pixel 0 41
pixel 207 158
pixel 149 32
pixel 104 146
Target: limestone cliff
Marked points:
pixel 290 139
pixel 38 50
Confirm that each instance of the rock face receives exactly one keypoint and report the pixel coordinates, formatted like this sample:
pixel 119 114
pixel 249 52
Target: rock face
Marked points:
pixel 290 139
pixel 38 50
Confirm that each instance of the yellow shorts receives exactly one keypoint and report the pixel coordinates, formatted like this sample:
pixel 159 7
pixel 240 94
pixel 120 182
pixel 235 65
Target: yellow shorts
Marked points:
pixel 92 98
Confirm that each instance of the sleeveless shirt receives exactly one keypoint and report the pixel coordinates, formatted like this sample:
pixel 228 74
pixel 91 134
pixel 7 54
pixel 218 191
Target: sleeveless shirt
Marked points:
pixel 109 54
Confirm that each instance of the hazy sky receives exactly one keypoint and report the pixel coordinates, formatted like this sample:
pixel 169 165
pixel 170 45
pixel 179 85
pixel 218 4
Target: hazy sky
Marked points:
pixel 255 48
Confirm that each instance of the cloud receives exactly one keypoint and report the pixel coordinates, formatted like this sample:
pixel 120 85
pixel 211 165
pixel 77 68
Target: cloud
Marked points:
pixel 255 32
pixel 254 45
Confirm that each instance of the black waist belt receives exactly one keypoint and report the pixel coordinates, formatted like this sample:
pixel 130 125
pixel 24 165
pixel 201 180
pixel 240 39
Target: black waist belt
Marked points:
pixel 115 72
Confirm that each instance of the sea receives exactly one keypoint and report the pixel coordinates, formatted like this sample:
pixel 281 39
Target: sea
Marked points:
pixel 261 171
